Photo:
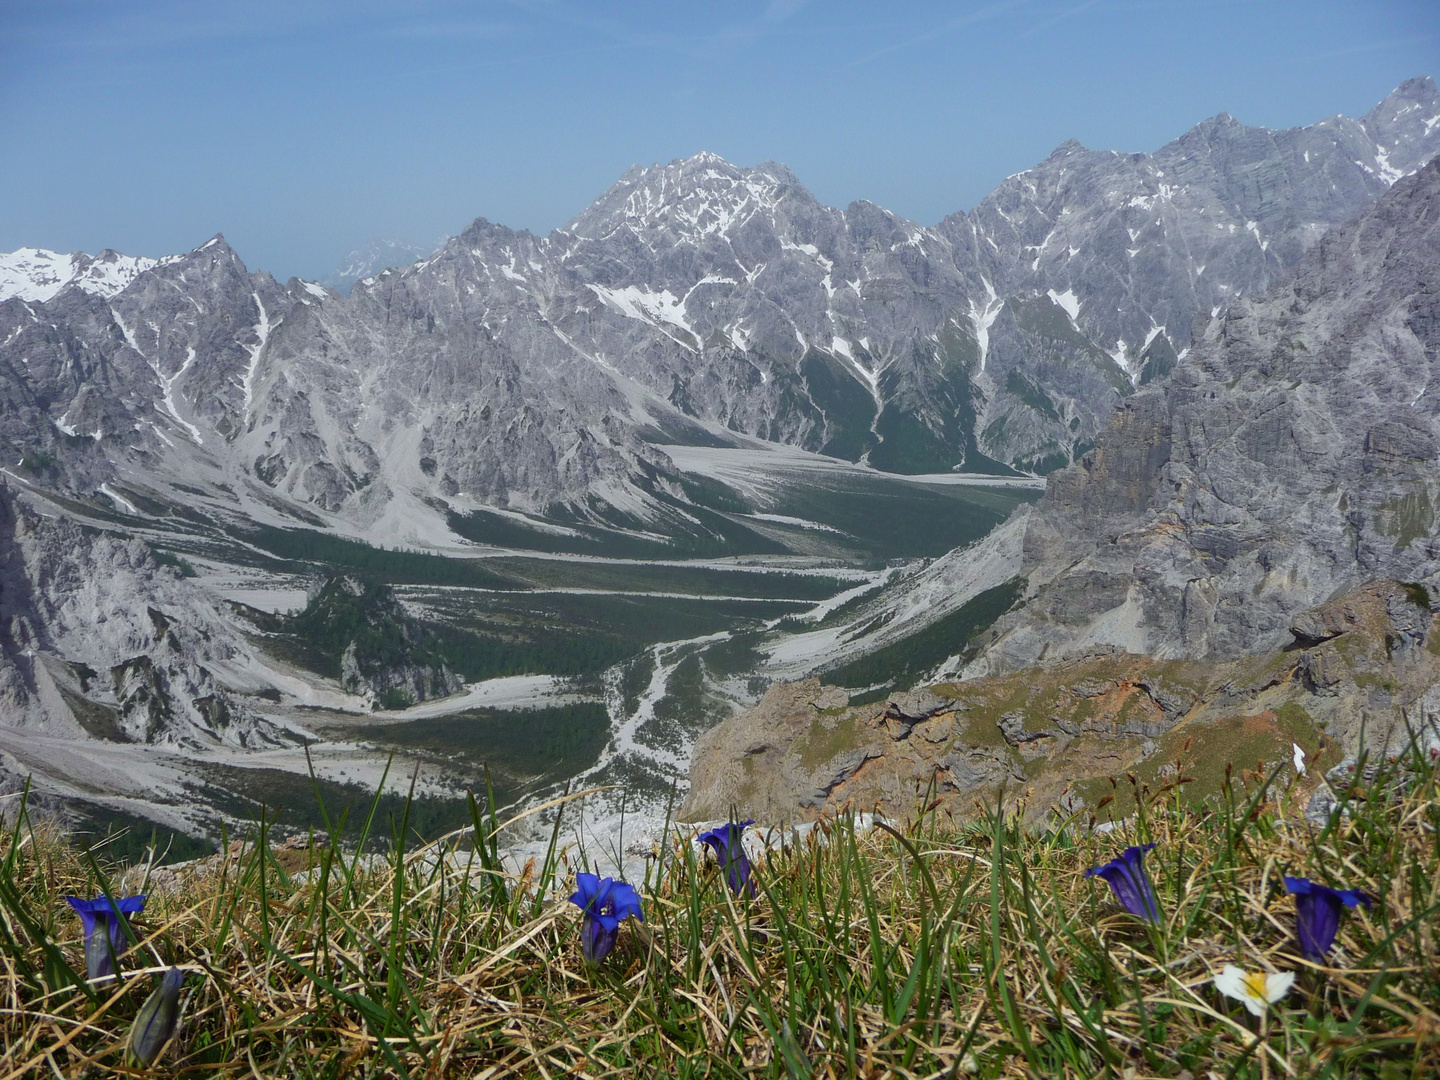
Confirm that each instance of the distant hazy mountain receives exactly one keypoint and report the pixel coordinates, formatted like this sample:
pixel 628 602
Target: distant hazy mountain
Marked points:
pixel 691 300
pixel 375 256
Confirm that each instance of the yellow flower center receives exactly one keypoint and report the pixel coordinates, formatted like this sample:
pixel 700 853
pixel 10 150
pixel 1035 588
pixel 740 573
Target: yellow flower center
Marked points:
pixel 1255 984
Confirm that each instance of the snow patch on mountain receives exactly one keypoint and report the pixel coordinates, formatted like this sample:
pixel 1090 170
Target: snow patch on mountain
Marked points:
pixel 37 276
pixel 1066 300
pixel 636 303
pixel 262 335
pixel 982 318
pixel 34 274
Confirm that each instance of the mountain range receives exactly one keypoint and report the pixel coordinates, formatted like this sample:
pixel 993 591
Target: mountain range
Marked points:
pixel 1289 459
pixel 692 302
pixel 1220 353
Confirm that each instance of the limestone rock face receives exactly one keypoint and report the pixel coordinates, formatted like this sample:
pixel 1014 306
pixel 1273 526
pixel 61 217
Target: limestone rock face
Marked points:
pixel 98 640
pixel 1294 455
pixel 1067 738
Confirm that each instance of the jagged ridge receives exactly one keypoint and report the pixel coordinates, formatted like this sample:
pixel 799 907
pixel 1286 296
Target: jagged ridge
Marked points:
pixel 538 374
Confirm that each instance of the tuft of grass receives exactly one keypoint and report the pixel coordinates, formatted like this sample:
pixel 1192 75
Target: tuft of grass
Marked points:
pixel 936 948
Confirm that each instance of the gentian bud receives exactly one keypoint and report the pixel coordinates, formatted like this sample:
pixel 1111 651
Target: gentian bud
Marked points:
pixel 1317 914
pixel 155 1022
pixel 729 849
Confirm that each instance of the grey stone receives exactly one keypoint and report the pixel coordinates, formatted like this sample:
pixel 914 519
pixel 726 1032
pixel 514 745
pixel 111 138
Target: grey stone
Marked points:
pixel 1301 428
pixel 1174 703
pixel 99 641
pixel 1089 688
pixel 1012 726
pixel 919 704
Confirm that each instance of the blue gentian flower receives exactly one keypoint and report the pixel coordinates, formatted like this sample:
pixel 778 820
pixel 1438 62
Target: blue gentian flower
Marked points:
pixel 100 949
pixel 1127 877
pixel 155 1022
pixel 1317 914
pixel 730 854
pixel 605 903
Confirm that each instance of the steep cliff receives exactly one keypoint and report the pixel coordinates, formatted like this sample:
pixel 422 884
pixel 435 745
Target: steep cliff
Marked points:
pixel 1293 455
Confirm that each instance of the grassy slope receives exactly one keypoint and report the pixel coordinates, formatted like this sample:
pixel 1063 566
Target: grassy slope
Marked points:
pixel 960 948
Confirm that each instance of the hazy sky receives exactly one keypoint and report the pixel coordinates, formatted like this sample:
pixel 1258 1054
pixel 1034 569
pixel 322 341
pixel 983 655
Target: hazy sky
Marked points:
pixel 301 128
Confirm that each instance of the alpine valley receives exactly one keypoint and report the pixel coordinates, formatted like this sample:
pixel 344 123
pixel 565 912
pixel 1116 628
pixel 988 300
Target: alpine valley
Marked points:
pixel 542 510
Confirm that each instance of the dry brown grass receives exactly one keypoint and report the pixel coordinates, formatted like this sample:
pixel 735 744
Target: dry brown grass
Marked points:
pixel 950 949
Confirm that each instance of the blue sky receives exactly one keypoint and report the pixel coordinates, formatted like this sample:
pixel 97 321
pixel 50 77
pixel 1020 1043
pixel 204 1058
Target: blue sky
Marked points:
pixel 300 128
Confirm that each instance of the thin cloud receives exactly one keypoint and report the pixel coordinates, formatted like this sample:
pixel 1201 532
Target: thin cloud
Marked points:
pixel 723 41
pixel 780 10
pixel 518 58
pixel 1069 13
pixel 448 30
pixel 1352 50
pixel 990 11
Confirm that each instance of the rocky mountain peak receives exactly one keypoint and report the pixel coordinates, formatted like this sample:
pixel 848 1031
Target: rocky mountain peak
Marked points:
pixel 688 199
pixel 1066 149
pixel 1403 126
pixel 1417 94
pixel 483 230
pixel 1292 455
pixel 216 250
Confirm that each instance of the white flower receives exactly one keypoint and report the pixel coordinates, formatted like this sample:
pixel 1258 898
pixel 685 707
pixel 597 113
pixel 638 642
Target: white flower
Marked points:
pixel 1257 990
pixel 1299 759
